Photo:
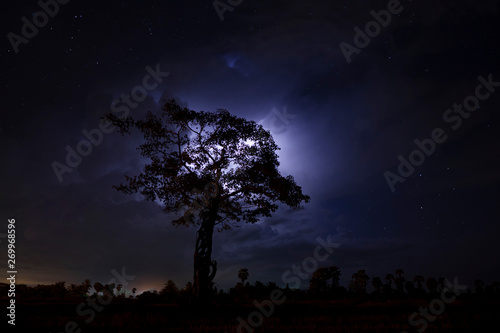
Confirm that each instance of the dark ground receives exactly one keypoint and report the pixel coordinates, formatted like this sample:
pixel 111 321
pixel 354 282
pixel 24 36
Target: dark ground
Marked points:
pixel 333 316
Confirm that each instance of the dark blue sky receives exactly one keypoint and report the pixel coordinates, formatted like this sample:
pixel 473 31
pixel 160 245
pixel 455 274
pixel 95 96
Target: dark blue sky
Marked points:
pixel 348 123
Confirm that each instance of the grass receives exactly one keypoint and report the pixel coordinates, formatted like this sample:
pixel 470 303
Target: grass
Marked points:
pixel 289 317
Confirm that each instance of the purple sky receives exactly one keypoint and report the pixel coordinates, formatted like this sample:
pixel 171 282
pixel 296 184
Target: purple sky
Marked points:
pixel 348 124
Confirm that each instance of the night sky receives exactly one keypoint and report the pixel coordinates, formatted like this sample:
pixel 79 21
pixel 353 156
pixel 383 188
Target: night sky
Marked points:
pixel 341 123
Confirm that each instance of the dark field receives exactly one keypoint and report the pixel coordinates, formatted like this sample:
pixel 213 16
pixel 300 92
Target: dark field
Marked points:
pixel 314 316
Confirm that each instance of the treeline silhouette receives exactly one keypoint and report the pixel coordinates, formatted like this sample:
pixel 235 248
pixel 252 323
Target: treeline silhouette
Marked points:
pixel 324 285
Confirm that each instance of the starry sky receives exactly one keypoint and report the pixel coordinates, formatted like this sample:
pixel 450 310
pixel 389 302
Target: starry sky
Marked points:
pixel 341 116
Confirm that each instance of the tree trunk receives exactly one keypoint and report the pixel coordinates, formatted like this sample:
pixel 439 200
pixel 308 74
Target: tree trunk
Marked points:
pixel 204 267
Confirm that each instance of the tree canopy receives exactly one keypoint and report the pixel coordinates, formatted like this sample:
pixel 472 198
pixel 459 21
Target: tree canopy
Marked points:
pixel 198 156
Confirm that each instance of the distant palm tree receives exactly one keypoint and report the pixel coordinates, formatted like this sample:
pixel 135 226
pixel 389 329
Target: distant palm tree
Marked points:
pixel 359 282
pixel 410 288
pixel 87 285
pixel 419 279
pixel 377 284
pixel 119 288
pixel 109 287
pixel 431 285
pixel 325 279
pixel 479 286
pixel 75 290
pixel 58 289
pixel 388 286
pixel 334 275
pixel 399 281
pixel 243 275
pixel 440 284
pixel 98 288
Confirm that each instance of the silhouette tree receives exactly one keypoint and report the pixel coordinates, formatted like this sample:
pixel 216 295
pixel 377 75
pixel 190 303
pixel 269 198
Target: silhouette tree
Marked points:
pixel 215 168
pixel 399 281
pixel 243 275
pixel 77 290
pixel 109 288
pixel 170 292
pixel 324 279
pixel 388 285
pixel 187 292
pixel 377 284
pixel 87 285
pixel 479 284
pixel 119 288
pixel 410 288
pixel 258 290
pixel 359 282
pixel 98 287
pixel 431 285
pixel 440 284
pixel 419 280
pixel 169 288
pixel 58 290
